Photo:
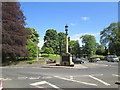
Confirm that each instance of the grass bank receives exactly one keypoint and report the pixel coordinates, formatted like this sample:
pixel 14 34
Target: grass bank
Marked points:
pixel 51 56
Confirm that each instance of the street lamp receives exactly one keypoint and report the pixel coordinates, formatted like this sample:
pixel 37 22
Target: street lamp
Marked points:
pixel 66 29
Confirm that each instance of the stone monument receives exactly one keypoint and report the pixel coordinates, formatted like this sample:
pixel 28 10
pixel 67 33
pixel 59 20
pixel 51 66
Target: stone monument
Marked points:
pixel 66 58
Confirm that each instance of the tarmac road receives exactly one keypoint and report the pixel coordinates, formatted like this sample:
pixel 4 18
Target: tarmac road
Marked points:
pixel 96 75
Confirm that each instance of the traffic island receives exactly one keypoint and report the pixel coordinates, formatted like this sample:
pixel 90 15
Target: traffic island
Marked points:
pixel 79 66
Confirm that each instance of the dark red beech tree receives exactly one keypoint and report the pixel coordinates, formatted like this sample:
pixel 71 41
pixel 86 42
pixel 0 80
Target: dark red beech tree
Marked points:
pixel 14 34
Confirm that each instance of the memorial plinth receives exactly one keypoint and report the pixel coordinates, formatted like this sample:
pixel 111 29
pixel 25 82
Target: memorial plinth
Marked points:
pixel 66 58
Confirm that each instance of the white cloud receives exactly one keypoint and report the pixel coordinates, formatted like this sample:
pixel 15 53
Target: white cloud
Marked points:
pixel 85 18
pixel 77 36
pixel 40 44
pixel 72 24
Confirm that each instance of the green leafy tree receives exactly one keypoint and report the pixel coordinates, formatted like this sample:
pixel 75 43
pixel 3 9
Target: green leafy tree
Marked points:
pixel 100 49
pixel 89 43
pixel 48 50
pixel 74 48
pixel 32 42
pixel 61 42
pixel 110 37
pixel 51 40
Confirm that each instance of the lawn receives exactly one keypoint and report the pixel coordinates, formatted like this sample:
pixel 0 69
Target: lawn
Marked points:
pixel 52 56
pixel 98 56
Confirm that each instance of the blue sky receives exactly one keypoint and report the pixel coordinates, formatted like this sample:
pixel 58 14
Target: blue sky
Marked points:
pixel 81 17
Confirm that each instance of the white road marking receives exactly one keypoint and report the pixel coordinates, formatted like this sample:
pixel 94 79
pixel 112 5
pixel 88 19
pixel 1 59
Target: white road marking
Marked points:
pixel 113 66
pixel 1 78
pixel 88 75
pixel 52 85
pixel 6 79
pixel 76 81
pixel 22 78
pixel 34 78
pixel 81 75
pixel 38 83
pixel 97 74
pixel 105 83
pixel 39 87
pixel 116 75
pixel 71 77
pixel 44 82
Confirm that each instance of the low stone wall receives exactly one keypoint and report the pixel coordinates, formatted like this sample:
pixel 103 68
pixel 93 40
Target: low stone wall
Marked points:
pixel 46 61
pixel 36 62
pixel 26 63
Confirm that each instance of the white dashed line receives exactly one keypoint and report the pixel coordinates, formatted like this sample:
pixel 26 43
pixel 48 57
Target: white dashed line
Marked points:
pixel 5 79
pixel 46 77
pixel 76 81
pixel 32 78
pixel 116 75
pixel 71 77
pixel 105 83
pixel 113 66
pixel 88 75
pixel 96 74
pixel 22 78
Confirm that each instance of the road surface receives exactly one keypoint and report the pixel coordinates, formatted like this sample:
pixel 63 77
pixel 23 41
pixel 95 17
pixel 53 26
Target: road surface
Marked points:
pixel 97 75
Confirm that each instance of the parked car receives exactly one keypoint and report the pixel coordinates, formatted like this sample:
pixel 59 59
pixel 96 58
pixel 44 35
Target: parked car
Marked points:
pixel 97 58
pixel 78 60
pixel 102 58
pixel 92 59
pixel 112 58
pixel 51 61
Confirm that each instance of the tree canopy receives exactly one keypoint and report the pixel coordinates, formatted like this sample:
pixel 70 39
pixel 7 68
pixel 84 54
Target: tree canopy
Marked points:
pixel 89 43
pixel 48 50
pixel 51 40
pixel 74 48
pixel 110 37
pixel 32 42
pixel 100 49
pixel 14 34
pixel 61 42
